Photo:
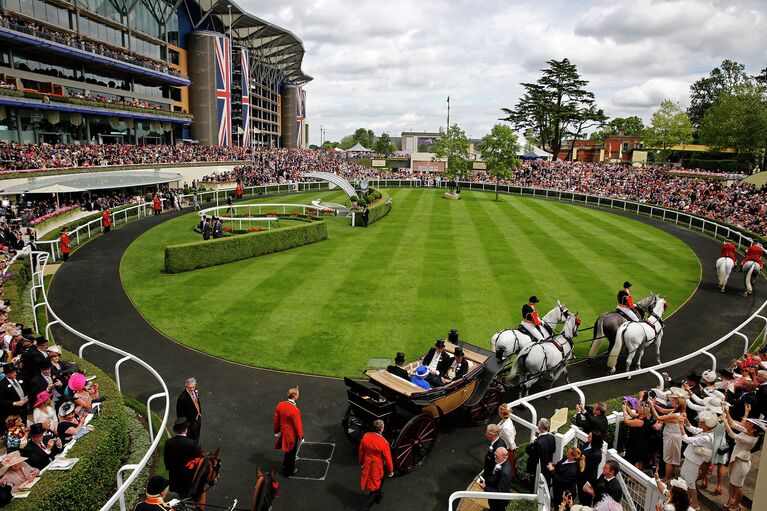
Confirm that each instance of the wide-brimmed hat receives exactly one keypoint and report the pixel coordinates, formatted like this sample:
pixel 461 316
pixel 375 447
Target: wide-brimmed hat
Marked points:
pixel 714 404
pixel 677 392
pixel 579 507
pixel 660 394
pixel 708 418
pixel 11 459
pixel 54 349
pixel 77 382
pixel 66 409
pixel 42 397
pixel 679 483
pixel 708 376
pixel 760 423
pixel 422 371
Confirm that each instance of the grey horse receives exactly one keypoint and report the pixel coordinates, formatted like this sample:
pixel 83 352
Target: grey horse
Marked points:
pixel 606 326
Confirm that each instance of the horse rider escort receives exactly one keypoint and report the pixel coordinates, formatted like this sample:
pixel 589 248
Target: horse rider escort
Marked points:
pixel 728 250
pixel 754 253
pixel 531 323
pixel 626 303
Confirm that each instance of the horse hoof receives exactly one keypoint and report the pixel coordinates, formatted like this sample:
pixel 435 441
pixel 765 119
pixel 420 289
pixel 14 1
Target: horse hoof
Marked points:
pixel 628 377
pixel 548 397
pixel 721 289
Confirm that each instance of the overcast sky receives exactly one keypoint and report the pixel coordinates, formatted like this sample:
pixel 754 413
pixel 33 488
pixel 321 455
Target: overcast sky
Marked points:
pixel 389 66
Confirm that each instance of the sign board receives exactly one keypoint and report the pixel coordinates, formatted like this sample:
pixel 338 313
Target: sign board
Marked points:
pixel 378 163
pixel 428 166
pixel 478 165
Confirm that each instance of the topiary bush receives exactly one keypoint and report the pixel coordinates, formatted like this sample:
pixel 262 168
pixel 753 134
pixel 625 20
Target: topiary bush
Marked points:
pixel 202 254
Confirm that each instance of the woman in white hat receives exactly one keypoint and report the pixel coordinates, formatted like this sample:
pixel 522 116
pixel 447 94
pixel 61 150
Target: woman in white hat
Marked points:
pixel 19 474
pixel 698 452
pixel 719 448
pixel 672 429
pixel 749 431
pixel 675 492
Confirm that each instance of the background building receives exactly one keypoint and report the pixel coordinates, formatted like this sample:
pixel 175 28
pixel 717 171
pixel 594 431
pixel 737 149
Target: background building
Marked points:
pixel 148 71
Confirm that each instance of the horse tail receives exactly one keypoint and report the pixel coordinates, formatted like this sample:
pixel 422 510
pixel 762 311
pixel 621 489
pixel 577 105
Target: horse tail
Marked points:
pixel 599 335
pixel 494 339
pixel 612 359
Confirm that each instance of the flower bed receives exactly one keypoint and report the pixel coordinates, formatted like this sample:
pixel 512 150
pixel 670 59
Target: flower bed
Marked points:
pixel 52 214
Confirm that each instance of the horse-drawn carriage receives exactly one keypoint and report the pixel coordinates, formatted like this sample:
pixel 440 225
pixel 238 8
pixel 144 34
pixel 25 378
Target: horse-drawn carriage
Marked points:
pixel 411 414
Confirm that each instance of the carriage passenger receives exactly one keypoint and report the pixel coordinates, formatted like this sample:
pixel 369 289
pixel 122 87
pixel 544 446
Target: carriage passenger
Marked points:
pixel 419 378
pixel 437 361
pixel 397 369
pixel 531 323
pixel 458 368
pixel 626 303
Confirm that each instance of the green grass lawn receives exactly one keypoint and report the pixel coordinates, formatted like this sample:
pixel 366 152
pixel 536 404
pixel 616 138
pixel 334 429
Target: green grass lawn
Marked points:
pixel 430 266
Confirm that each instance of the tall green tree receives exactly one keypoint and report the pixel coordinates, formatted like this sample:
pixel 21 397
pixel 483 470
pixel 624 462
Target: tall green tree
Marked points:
pixel 738 121
pixel 707 90
pixel 453 145
pixel 630 126
pixel 360 136
pixel 499 150
pixel 555 106
pixel 384 144
pixel 669 126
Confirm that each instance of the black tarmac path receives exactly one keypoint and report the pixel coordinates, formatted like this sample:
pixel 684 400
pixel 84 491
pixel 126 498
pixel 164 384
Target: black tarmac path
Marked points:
pixel 238 401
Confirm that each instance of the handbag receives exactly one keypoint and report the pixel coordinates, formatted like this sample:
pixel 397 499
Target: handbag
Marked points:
pixel 703 452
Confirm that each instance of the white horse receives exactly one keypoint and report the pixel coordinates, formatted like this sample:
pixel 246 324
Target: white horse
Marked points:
pixel 751 270
pixel 638 335
pixel 724 266
pixel 512 341
pixel 546 359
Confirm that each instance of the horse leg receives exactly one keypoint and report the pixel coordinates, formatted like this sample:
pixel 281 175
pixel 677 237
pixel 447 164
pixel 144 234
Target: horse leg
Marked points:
pixel 657 346
pixel 629 360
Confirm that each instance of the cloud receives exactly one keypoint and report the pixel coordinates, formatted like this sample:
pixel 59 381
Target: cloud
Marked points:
pixel 390 66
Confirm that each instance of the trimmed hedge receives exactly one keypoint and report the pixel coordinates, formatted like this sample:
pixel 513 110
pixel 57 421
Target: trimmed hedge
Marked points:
pixel 378 210
pixel 202 254
pixel 92 480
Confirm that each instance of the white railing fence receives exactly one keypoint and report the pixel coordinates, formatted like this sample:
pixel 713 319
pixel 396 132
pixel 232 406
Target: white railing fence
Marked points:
pixel 38 294
pixel 542 496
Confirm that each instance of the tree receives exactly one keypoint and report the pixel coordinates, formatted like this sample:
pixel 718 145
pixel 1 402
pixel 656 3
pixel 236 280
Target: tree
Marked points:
pixel 706 91
pixel 737 121
pixel 384 144
pixel 670 126
pixel 328 145
pixel 555 106
pixel 499 150
pixel 584 119
pixel 629 126
pixel 453 145
pixel 361 136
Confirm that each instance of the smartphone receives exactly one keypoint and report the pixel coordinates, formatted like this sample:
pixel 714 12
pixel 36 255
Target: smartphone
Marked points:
pixel 587 485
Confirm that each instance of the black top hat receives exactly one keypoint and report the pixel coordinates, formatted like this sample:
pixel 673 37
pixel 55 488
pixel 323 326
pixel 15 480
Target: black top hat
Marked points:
pixel 400 357
pixel 458 351
pixel 180 425
pixel 156 486
pixel 8 368
pixel 36 429
pixel 26 331
pixel 40 340
pixel 440 343
pixel 726 373
pixel 693 376
pixel 45 363
pixel 533 299
pixel 627 284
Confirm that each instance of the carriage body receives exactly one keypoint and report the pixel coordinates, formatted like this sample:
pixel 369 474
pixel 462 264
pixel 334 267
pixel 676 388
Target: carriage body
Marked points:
pixel 411 414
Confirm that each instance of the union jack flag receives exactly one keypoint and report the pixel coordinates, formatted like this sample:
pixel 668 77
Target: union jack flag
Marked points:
pixel 245 98
pixel 300 115
pixel 224 90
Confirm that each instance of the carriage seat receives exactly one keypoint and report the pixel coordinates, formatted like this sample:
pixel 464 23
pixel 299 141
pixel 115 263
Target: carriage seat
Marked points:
pixel 394 382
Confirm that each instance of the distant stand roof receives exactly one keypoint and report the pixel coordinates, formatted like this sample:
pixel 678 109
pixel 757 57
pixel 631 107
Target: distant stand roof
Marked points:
pixel 535 154
pixel 359 148
pixel 92 181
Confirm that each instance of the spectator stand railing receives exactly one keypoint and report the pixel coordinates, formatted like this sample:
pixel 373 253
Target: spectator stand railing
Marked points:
pixel 39 298
pixel 541 497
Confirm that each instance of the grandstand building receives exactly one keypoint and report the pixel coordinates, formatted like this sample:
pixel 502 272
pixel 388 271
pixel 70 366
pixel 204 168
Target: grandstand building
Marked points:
pixel 148 72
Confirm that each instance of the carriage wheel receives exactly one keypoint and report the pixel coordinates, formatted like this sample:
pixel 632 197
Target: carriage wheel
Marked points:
pixel 487 408
pixel 354 427
pixel 414 443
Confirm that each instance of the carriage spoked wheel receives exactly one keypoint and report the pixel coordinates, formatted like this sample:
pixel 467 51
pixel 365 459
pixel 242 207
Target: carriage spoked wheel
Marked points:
pixel 487 408
pixel 414 443
pixel 354 427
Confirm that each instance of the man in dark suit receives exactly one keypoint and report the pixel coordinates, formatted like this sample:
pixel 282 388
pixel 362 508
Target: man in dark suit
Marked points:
pixel 32 358
pixel 592 451
pixel 592 418
pixel 458 368
pixel 13 400
pixel 493 435
pixel 397 369
pixel 499 480
pixel 607 484
pixel 188 405
pixel 438 361
pixel 39 451
pixel 179 450
pixel 43 380
pixel 541 452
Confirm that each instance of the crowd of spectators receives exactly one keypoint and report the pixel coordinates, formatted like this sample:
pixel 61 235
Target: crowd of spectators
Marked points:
pixel 71 39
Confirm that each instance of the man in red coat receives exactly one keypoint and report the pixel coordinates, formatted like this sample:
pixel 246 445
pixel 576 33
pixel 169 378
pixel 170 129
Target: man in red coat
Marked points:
pixel 239 191
pixel 156 205
pixel 64 243
pixel 106 221
pixel 728 250
pixel 754 253
pixel 288 431
pixel 375 456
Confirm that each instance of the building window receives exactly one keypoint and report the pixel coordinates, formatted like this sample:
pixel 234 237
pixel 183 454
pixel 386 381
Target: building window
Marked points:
pixel 625 146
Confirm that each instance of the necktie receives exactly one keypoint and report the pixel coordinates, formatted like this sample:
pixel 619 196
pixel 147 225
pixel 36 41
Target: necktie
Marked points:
pixel 17 388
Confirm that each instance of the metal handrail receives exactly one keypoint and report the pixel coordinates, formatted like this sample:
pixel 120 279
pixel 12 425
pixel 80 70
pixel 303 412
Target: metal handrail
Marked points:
pixel 122 485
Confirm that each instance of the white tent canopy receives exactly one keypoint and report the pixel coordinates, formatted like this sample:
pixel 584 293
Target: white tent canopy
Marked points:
pixel 359 148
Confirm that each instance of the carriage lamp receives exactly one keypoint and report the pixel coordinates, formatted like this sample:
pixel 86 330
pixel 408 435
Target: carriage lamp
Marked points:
pixel 453 336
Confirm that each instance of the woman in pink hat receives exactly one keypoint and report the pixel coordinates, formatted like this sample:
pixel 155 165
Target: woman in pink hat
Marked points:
pixel 45 411
pixel 84 393
pixel 19 474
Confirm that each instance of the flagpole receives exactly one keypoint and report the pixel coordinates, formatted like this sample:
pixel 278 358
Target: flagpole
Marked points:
pixel 448 115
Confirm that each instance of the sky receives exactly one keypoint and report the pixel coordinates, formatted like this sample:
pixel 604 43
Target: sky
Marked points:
pixel 390 65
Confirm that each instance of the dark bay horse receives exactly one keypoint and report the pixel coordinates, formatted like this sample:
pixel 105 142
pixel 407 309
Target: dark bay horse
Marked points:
pixel 206 472
pixel 606 326
pixel 265 490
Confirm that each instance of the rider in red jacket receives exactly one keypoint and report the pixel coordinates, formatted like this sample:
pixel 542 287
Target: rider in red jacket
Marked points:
pixel 728 250
pixel 754 253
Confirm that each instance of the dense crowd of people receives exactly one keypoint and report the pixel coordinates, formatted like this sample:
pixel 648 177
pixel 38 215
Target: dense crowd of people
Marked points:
pixel 71 39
